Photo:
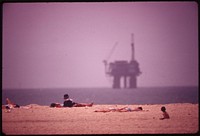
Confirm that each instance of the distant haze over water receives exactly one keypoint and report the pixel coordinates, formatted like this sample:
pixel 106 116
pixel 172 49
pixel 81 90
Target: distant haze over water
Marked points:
pixel 52 45
pixel 142 95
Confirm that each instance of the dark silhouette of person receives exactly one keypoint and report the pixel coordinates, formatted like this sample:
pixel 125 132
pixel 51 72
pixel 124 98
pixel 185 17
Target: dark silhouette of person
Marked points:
pixel 165 114
pixel 70 103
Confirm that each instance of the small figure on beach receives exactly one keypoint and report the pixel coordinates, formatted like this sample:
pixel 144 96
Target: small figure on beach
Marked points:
pixel 165 114
pixel 124 109
pixel 9 105
pixel 70 103
pixel 56 105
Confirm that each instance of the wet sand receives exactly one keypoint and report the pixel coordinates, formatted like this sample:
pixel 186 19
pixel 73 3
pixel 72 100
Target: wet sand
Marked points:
pixel 36 119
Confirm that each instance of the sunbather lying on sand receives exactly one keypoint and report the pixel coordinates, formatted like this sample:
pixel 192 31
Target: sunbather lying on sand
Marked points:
pixel 124 109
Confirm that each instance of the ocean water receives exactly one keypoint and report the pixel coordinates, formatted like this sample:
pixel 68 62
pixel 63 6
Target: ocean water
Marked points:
pixel 141 95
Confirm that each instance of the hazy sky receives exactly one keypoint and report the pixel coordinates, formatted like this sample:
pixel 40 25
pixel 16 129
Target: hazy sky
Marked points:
pixel 63 44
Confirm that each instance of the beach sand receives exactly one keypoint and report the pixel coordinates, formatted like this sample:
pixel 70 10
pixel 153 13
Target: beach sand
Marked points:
pixel 83 120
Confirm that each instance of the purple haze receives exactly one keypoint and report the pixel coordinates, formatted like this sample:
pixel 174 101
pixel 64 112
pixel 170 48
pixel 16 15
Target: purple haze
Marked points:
pixel 48 45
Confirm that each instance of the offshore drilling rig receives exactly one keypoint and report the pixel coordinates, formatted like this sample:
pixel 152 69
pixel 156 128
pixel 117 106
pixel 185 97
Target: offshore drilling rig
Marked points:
pixel 124 69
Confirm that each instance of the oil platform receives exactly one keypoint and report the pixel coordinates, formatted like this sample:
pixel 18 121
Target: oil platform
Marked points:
pixel 122 69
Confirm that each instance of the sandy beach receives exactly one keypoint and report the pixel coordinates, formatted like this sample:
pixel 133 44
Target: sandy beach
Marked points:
pixel 36 119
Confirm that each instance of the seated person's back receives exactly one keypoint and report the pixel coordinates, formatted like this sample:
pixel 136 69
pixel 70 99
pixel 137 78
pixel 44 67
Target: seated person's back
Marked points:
pixel 68 103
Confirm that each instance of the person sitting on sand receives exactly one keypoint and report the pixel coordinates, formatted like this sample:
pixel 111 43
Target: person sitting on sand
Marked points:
pixel 124 109
pixel 165 114
pixel 9 105
pixel 70 103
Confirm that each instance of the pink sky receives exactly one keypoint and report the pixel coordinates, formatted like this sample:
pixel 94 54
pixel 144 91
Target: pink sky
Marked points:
pixel 48 45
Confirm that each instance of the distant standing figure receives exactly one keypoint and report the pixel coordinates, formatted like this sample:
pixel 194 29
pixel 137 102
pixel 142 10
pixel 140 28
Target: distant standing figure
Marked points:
pixel 70 103
pixel 165 114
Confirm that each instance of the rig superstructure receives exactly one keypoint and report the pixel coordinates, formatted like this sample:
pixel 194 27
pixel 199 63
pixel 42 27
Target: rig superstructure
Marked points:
pixel 124 69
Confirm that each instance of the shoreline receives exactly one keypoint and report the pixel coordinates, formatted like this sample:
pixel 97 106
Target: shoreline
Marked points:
pixel 149 95
pixel 37 119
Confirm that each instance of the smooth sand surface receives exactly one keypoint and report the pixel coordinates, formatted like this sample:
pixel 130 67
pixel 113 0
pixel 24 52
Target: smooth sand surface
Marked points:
pixel 38 119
